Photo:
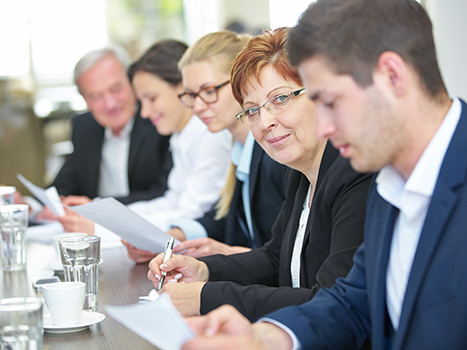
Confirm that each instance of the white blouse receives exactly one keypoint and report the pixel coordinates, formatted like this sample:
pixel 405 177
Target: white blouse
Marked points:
pixel 298 245
pixel 200 163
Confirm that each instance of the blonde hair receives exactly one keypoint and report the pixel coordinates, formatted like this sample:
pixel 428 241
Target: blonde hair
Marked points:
pixel 220 49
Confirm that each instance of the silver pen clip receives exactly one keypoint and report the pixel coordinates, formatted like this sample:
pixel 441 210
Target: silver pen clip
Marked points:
pixel 167 254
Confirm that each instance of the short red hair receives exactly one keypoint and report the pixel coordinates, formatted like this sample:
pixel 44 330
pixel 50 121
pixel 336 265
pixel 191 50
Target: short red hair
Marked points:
pixel 268 48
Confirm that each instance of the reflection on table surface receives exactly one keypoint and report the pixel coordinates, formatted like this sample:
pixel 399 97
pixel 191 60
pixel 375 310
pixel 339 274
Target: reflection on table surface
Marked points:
pixel 121 282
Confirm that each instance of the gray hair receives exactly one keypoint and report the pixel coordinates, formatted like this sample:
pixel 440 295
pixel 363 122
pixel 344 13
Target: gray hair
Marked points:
pixel 92 57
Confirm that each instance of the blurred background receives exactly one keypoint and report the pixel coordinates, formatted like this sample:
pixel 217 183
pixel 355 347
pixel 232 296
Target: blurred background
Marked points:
pixel 41 40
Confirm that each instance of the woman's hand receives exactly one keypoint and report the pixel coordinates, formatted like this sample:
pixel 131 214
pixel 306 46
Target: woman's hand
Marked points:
pixel 138 255
pixel 177 233
pixel 186 297
pixel 179 268
pixel 73 222
pixel 75 200
pixel 205 246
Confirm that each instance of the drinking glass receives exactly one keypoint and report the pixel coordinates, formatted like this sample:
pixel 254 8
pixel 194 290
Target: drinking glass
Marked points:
pixel 13 225
pixel 21 323
pixel 7 195
pixel 80 258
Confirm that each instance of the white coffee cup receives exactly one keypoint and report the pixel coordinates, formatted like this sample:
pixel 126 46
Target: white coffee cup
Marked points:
pixel 65 302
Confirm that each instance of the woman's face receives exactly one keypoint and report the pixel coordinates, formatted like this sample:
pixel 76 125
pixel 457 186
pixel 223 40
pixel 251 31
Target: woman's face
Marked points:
pixel 220 114
pixel 286 135
pixel 160 103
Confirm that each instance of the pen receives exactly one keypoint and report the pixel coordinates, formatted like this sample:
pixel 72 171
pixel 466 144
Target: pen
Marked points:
pixel 167 254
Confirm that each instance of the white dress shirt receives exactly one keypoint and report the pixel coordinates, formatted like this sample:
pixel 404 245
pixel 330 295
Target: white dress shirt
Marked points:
pixel 200 163
pixel 113 178
pixel 412 198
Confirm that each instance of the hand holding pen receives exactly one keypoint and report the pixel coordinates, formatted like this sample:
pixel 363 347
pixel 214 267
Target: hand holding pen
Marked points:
pixel 167 255
pixel 178 268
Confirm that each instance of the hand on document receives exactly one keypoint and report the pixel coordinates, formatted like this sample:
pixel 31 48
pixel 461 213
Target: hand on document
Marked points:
pixel 223 328
pixel 205 246
pixel 73 222
pixel 186 297
pixel 138 255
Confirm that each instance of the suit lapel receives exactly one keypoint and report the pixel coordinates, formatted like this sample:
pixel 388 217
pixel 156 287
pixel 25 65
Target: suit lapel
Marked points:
pixel 93 161
pixel 136 143
pixel 443 202
pixel 329 156
pixel 292 226
pixel 256 157
pixel 384 217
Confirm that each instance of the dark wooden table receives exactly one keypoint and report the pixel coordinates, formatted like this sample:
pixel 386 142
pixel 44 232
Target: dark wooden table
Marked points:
pixel 121 282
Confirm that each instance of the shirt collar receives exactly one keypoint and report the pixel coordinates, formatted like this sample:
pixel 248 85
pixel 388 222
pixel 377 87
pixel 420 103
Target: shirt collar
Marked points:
pixel 241 156
pixel 124 134
pixel 422 180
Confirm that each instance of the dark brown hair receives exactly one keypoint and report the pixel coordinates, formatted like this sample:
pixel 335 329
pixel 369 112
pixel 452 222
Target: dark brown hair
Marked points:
pixel 161 60
pixel 352 34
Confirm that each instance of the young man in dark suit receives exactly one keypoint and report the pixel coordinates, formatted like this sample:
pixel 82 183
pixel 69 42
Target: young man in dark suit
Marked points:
pixel 370 67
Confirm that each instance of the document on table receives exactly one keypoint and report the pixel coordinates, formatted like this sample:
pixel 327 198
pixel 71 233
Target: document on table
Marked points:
pixel 157 321
pixel 121 220
pixel 48 197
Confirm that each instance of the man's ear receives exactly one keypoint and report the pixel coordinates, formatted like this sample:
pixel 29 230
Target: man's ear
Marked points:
pixel 394 71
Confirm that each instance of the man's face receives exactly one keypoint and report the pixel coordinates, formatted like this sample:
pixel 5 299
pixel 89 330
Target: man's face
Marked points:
pixel 108 93
pixel 360 122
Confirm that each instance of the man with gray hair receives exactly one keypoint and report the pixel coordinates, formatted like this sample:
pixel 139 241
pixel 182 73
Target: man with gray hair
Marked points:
pixel 116 152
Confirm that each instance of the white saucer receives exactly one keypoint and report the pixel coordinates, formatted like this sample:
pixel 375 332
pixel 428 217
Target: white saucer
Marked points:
pixel 87 319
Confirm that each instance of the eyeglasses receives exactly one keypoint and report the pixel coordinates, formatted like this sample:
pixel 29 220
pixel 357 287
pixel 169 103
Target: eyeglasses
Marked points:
pixel 275 104
pixel 208 94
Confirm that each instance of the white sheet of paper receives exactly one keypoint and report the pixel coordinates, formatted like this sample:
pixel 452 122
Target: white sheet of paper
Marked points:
pixel 121 220
pixel 45 232
pixel 157 321
pixel 48 197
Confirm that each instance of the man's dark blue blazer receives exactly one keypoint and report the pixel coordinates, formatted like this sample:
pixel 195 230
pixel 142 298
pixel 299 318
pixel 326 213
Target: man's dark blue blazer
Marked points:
pixel 434 312
pixel 149 160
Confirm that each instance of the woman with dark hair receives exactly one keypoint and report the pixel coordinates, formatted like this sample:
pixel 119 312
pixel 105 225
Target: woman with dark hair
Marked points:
pixel 200 158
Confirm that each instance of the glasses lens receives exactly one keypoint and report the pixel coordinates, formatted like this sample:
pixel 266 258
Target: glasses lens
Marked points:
pixel 186 99
pixel 208 95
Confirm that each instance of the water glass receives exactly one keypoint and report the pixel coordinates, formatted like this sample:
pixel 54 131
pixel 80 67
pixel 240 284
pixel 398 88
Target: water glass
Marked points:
pixel 80 258
pixel 13 225
pixel 21 323
pixel 7 195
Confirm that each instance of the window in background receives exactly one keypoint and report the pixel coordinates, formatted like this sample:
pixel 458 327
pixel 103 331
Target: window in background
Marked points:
pixel 14 60
pixel 201 17
pixel 286 14
pixel 61 32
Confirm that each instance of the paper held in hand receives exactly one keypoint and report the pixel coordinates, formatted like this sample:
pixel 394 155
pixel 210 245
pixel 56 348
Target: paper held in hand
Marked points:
pixel 157 321
pixel 49 197
pixel 121 220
